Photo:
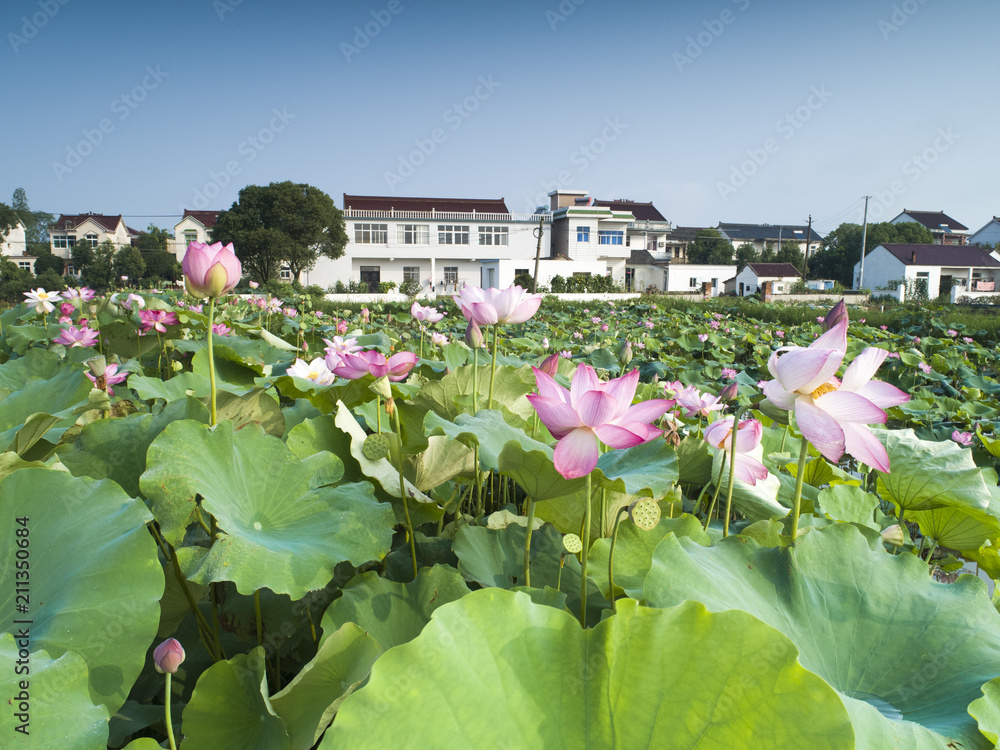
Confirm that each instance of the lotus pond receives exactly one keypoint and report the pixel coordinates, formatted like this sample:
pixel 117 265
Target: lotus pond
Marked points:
pixel 609 525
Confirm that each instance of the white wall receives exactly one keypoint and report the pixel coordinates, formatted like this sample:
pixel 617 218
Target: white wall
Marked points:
pixel 881 267
pixel 15 242
pixel 678 277
pixel 988 235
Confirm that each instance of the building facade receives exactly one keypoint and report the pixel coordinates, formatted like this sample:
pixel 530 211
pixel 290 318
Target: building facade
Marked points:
pixel 194 226
pixel 944 229
pixel 91 228
pixel 14 247
pixel 934 267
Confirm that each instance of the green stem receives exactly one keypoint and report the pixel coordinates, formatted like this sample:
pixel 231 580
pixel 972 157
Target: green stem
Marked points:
pixel 421 342
pixel 799 476
pixel 402 491
pixel 493 369
pixel 475 381
pixel 902 528
pixel 783 436
pixel 732 471
pixel 611 559
pixel 257 616
pixel 378 413
pixel 586 550
pixel 718 487
pixel 211 357
pixel 527 542
pixel 170 725
pixel 930 555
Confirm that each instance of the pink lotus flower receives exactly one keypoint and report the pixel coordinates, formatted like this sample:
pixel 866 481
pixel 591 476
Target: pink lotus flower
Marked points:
pixel 289 312
pixel 253 284
pixel 550 365
pixel 73 336
pixel 168 656
pixel 65 319
pixel 604 327
pixel 474 335
pixel 962 438
pixel 156 319
pixel 83 293
pixel 365 314
pixel 341 327
pixel 729 373
pixel 428 314
pixel 341 345
pixel 111 377
pixel 697 404
pixel 221 329
pixel 196 308
pixel 211 270
pixel 747 462
pixel 703 337
pixel 44 302
pixel 317 371
pixel 67 308
pixel 952 332
pixel 439 339
pixel 926 368
pixel 833 415
pixel 713 324
pixel 592 412
pixel 487 307
pixel 133 302
pixel 354 366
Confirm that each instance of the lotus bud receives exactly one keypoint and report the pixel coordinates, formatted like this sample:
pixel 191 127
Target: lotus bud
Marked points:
pixel 365 314
pixel 730 392
pixel 341 327
pixel 473 335
pixel 625 353
pixel 773 412
pixel 837 313
pixel 550 365
pixel 168 656
pixel 893 535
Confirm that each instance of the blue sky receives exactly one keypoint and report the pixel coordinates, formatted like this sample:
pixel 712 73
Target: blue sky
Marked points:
pixel 734 110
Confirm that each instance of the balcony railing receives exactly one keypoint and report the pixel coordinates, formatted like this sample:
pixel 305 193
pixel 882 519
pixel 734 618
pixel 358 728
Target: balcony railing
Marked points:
pixel 644 225
pixel 355 213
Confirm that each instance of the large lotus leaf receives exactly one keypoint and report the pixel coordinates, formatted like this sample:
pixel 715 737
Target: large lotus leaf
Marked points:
pixel 694 461
pixel 451 395
pixel 758 502
pixel 391 612
pixel 534 471
pixel 36 363
pixel 907 654
pixel 488 430
pixel 310 700
pixel 116 448
pixel 443 460
pixel 957 528
pixel 495 670
pixel 229 366
pixel 849 504
pixel 986 710
pixel 95 581
pixel 57 396
pixel 929 474
pixel 634 552
pixel 54 700
pixel 256 407
pixel 179 386
pixel 649 469
pixel 11 462
pixel 230 710
pixel 280 530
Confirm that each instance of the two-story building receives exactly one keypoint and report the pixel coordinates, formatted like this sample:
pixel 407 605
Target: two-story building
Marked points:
pixel 988 235
pixel 91 228
pixel 14 247
pixel 194 226
pixel 806 239
pixel 944 229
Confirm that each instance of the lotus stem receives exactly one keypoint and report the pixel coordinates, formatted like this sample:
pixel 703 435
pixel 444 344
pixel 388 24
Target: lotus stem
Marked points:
pixel 527 542
pixel 403 493
pixel 211 358
pixel 493 369
pixel 902 528
pixel 715 496
pixel 930 555
pixel 611 559
pixel 257 616
pixel 732 471
pixel 421 355
pixel 166 708
pixel 585 551
pixel 475 381
pixel 799 476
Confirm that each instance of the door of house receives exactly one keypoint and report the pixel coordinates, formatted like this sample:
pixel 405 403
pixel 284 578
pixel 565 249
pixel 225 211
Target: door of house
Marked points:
pixel 491 278
pixel 370 275
pixel 945 287
pixel 629 279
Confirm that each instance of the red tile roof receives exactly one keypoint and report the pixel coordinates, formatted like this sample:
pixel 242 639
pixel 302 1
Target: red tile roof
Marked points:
pixel 641 211
pixel 942 255
pixel 442 205
pixel 109 223
pixel 207 218
pixel 934 219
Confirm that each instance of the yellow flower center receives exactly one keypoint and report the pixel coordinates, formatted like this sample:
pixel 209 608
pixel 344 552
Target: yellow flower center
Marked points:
pixel 313 375
pixel 823 389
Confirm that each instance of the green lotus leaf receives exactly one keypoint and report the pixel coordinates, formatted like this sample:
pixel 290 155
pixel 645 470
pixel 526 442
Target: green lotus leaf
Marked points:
pixel 179 386
pixel 36 363
pixel 94 577
pixel 906 654
pixel 307 705
pixel 694 461
pixel 928 475
pixel 11 462
pixel 230 367
pixel 229 708
pixel 957 528
pixel 447 397
pixel 57 396
pixel 649 468
pixel 54 700
pixel 280 530
pixel 986 710
pixel 494 669
pixel 256 407
pixel 488 430
pixel 143 743
pixel 758 502
pixel 534 471
pixel 393 613
pixel 443 460
pixel 849 504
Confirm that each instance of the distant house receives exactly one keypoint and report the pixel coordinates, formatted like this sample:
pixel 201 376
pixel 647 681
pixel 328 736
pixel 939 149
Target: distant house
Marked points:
pixel 194 226
pixel 14 247
pixel 778 235
pixel 677 242
pixel 938 267
pixel 752 276
pixel 91 228
pixel 945 230
pixel 987 236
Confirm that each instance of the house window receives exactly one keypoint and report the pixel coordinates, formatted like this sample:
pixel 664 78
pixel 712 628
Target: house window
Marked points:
pixel 411 273
pixel 371 234
pixel 583 234
pixel 451 274
pixel 453 234
pixel 24 265
pixel 63 240
pixel 70 271
pixel 492 235
pixel 92 239
pixel 285 274
pixel 522 272
pixel 610 237
pixel 413 234
pixel 715 283
pixel 923 274
pixel 190 235
pixel 581 273
pixel 693 283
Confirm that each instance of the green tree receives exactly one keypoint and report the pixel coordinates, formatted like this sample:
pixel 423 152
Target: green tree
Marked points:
pixel 82 255
pixel 746 253
pixel 36 223
pixel 99 272
pixel 161 265
pixel 128 262
pixel 842 247
pixel 49 262
pixel 284 222
pixel 152 239
pixel 711 248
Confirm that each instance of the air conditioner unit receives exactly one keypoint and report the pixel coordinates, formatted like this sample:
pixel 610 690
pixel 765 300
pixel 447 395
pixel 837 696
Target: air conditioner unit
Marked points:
pixel 661 244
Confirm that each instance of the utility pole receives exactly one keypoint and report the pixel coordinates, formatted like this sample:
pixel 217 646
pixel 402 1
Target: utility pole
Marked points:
pixel 538 252
pixel 805 263
pixel 864 237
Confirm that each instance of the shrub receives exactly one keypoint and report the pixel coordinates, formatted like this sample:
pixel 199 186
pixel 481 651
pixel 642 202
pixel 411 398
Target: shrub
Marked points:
pixel 384 287
pixel 410 288
pixel 558 284
pixel 524 280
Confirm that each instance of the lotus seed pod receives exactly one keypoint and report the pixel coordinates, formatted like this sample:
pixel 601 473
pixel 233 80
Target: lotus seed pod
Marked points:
pixel 376 446
pixel 572 543
pixel 381 387
pixel 645 513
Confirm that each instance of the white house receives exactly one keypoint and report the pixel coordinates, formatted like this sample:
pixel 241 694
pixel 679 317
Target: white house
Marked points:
pixel 93 228
pixel 14 245
pixel 752 276
pixel 945 230
pixel 939 267
pixel 778 235
pixel 194 226
pixel 987 236
pixel 689 277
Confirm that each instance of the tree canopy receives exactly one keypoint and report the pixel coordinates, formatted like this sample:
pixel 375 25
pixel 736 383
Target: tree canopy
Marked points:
pixel 153 238
pixel 283 222
pixel 842 247
pixel 710 247
pixel 36 223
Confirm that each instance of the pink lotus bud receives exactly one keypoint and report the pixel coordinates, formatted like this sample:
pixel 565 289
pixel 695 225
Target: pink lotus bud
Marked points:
pixel 168 656
pixel 341 327
pixel 730 392
pixel 67 308
pixel 550 365
pixel 473 335
pixel 211 270
pixel 837 313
